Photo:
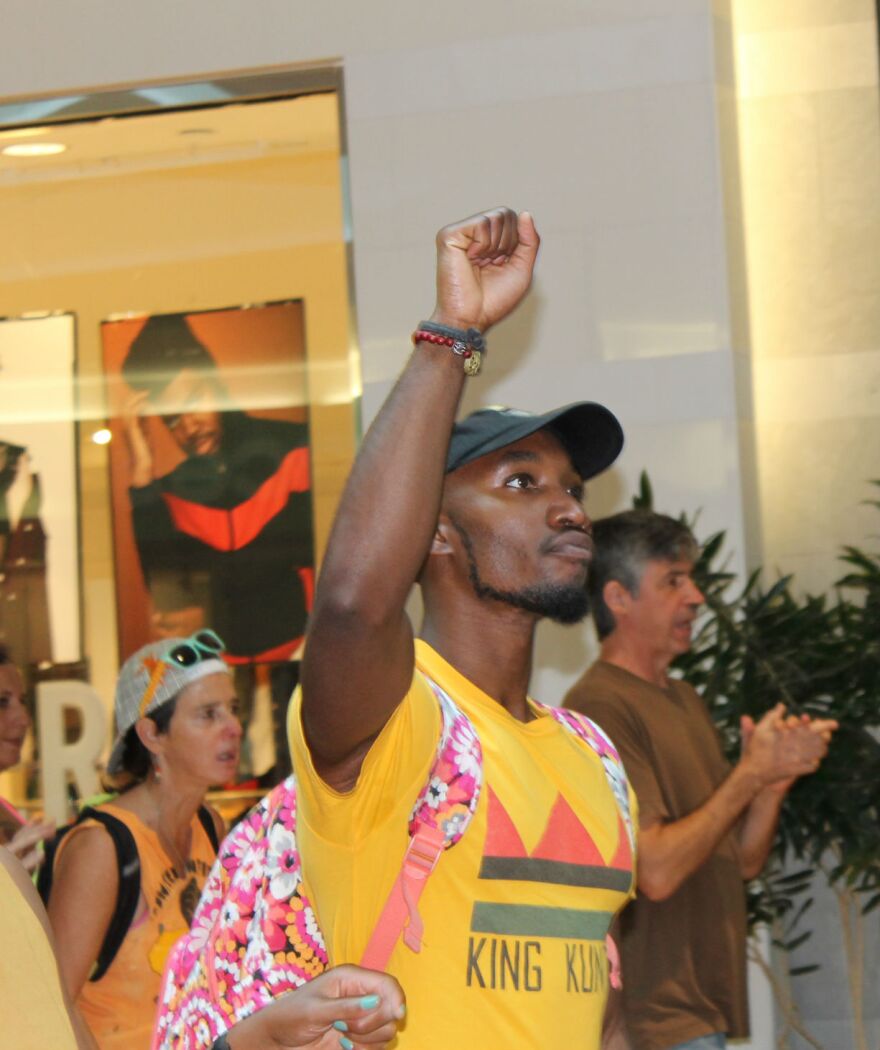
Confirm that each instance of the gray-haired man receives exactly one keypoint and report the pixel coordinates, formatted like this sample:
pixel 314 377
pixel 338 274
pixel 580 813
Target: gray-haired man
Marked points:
pixel 704 826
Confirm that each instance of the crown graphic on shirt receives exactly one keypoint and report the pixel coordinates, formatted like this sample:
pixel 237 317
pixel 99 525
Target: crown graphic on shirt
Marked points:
pixel 566 852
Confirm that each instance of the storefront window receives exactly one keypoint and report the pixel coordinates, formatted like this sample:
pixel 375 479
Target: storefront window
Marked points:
pixel 207 219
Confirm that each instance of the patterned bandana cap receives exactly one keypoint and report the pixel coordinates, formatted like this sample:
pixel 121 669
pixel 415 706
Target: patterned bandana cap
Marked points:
pixel 152 676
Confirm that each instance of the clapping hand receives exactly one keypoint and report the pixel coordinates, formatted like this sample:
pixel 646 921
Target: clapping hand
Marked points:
pixel 780 748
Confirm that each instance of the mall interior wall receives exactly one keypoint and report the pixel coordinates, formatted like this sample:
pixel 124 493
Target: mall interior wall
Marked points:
pixel 619 125
pixel 599 118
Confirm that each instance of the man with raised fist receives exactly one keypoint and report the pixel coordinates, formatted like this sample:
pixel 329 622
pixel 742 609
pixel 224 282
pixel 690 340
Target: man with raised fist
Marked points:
pixel 504 944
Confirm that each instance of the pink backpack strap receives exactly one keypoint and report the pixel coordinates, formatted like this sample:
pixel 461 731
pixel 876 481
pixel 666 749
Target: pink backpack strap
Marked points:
pixel 585 729
pixel 596 739
pixel 439 818
pixel 614 975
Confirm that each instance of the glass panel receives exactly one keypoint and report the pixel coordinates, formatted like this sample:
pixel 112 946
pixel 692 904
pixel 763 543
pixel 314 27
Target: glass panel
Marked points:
pixel 194 210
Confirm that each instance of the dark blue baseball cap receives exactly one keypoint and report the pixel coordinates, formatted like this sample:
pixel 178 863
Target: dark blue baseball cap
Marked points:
pixel 589 432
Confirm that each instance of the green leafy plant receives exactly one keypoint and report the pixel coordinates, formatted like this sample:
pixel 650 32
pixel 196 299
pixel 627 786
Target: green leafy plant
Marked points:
pixel 759 644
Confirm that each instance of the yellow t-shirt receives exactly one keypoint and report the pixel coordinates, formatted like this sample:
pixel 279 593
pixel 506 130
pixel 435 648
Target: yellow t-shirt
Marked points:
pixel 516 913
pixel 34 1014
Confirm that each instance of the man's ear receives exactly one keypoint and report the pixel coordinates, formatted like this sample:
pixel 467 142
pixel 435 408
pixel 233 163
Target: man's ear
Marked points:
pixel 440 542
pixel 617 598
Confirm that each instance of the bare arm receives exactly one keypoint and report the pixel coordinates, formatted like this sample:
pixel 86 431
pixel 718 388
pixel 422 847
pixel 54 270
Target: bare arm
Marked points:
pixel 26 887
pixel 774 753
pixel 359 658
pixel 134 426
pixel 758 830
pixel 84 890
pixel 670 852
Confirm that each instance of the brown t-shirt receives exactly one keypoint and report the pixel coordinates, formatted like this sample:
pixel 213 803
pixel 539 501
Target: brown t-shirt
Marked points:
pixel 684 969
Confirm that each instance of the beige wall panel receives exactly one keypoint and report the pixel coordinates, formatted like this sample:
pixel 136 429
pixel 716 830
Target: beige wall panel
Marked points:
pixel 809 136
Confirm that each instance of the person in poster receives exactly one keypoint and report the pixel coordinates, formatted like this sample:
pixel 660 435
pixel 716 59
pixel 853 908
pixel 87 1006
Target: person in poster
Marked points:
pixel 24 600
pixel 226 536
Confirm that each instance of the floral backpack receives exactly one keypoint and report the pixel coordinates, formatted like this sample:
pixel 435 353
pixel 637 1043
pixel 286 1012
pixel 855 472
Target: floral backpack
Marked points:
pixel 254 934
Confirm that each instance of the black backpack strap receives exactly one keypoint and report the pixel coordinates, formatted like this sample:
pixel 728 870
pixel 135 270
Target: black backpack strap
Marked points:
pixel 128 866
pixel 207 822
pixel 46 870
pixel 47 865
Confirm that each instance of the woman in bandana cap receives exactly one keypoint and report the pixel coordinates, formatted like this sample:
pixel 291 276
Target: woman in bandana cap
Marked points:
pixel 178 736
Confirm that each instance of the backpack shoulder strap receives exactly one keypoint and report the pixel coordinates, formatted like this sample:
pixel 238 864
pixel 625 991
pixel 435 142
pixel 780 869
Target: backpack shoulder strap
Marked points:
pixel 594 737
pixel 207 822
pixel 46 870
pixel 441 815
pixel 449 798
pixel 597 740
pixel 128 865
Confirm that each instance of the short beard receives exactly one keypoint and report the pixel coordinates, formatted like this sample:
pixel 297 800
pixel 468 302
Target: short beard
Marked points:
pixel 561 603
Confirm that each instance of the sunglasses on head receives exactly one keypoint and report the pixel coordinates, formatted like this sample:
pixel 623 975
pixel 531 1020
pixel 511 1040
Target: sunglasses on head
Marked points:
pixel 203 645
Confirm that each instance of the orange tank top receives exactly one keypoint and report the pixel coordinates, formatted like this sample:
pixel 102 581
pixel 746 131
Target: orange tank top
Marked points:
pixel 120 1008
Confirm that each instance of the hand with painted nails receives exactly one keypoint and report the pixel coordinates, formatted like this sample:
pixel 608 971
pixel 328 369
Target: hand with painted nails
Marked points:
pixel 346 1007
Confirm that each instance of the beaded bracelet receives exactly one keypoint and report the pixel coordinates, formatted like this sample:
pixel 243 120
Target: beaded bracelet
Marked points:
pixel 467 344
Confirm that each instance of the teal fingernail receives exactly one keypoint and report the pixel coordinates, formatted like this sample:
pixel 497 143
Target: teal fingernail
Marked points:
pixel 370 1002
pixel 340 1026
pixel 346 1044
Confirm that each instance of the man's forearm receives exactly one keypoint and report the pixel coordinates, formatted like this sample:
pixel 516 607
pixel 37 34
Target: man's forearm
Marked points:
pixel 775 752
pixel 669 853
pixel 759 830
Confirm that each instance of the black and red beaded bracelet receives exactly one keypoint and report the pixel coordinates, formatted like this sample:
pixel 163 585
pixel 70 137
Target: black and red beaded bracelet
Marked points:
pixel 468 343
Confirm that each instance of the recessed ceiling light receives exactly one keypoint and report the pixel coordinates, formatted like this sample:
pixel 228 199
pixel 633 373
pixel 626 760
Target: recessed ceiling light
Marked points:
pixel 34 149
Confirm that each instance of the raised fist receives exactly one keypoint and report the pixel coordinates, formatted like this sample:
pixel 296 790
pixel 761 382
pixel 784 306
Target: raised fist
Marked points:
pixel 484 268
